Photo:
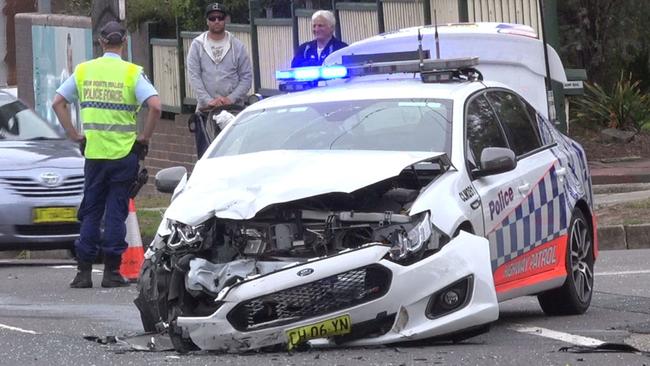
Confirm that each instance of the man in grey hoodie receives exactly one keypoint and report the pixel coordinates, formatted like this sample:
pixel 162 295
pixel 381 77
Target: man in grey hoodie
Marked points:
pixel 219 68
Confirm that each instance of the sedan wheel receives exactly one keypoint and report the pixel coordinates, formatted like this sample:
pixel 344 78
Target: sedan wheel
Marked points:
pixel 574 297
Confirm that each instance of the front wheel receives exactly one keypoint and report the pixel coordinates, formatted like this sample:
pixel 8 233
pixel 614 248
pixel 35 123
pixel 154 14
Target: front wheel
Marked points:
pixel 181 343
pixel 153 287
pixel 574 297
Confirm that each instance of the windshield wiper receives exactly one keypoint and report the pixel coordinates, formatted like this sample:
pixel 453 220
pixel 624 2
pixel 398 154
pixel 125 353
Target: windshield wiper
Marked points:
pixel 42 138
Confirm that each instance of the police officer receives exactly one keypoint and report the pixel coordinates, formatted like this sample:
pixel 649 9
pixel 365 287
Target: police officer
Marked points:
pixel 110 92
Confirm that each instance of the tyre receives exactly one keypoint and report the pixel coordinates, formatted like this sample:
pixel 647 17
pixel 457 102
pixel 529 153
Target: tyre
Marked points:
pixel 211 128
pixel 181 344
pixel 575 294
pixel 152 296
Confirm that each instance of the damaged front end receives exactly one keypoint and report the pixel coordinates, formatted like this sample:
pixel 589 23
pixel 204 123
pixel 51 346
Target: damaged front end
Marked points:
pixel 235 285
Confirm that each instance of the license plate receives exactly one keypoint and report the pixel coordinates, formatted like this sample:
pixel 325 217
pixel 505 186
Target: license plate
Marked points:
pixel 45 215
pixel 327 328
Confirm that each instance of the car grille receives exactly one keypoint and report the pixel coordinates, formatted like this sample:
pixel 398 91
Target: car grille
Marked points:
pixel 46 230
pixel 313 299
pixel 28 187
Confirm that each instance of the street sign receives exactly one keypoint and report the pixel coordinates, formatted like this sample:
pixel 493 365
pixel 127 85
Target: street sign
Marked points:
pixel 573 84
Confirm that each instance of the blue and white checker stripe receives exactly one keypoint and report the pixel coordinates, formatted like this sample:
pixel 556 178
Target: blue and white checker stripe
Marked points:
pixel 571 155
pixel 540 217
pixel 106 105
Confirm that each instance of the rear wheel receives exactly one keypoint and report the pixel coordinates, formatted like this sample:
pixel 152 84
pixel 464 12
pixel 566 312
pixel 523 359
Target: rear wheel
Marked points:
pixel 574 297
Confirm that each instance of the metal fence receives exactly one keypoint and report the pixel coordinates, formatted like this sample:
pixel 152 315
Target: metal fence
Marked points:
pixel 358 21
pixel 510 11
pixel 275 47
pixel 402 14
pixel 271 42
pixel 166 73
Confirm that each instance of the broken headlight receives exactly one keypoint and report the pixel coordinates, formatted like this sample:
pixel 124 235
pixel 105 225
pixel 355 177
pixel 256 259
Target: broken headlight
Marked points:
pixel 422 235
pixel 184 235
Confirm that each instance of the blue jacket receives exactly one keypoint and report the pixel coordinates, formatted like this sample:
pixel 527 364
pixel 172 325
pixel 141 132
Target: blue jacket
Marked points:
pixel 307 54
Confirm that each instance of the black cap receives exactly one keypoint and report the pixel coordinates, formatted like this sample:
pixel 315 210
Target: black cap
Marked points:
pixel 112 33
pixel 215 7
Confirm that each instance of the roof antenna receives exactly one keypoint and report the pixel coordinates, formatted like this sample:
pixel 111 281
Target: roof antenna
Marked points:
pixel 420 49
pixel 435 23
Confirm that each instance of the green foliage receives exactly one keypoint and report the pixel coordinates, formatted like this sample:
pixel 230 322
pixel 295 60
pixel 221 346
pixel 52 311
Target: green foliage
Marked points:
pixel 624 107
pixel 605 36
pixel 189 13
pixel 78 7
pixel 139 11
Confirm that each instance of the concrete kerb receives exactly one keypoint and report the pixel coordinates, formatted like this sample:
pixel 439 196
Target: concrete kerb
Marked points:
pixel 624 237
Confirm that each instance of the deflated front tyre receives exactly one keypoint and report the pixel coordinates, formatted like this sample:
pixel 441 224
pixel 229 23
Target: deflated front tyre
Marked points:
pixel 153 288
pixel 181 344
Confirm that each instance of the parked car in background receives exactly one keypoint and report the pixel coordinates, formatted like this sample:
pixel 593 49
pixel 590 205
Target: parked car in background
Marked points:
pixel 41 181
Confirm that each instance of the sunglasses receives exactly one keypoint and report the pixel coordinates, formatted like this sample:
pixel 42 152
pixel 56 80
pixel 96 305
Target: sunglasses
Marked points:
pixel 220 18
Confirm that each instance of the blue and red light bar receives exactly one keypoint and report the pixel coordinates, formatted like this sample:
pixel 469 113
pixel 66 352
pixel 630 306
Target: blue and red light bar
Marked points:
pixel 303 78
pixel 312 73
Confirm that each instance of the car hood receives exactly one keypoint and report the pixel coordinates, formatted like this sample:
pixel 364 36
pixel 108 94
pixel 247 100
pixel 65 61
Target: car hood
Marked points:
pixel 19 155
pixel 237 187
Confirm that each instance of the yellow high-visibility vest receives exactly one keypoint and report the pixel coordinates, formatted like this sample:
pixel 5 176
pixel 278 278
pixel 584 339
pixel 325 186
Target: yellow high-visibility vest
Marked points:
pixel 106 88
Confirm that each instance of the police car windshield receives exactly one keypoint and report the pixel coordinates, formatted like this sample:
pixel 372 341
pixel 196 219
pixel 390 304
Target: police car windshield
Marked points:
pixel 391 125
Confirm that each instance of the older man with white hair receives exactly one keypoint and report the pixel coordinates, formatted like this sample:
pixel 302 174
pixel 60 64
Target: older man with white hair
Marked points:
pixel 313 53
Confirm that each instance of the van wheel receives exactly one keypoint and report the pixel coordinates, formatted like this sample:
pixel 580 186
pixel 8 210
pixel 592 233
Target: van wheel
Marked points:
pixel 574 297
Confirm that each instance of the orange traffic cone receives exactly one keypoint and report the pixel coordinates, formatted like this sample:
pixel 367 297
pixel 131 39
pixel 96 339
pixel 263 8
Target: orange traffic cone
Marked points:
pixel 133 257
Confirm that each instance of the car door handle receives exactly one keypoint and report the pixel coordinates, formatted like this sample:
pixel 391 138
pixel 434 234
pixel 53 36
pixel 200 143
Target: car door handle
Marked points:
pixel 561 174
pixel 524 188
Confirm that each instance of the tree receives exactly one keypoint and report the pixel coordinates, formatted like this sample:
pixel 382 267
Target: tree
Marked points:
pixel 605 37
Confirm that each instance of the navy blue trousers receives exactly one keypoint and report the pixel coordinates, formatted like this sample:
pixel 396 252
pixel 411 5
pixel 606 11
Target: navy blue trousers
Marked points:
pixel 106 194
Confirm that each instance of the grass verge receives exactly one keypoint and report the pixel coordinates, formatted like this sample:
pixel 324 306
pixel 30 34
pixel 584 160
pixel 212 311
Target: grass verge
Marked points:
pixel 149 211
pixel 629 213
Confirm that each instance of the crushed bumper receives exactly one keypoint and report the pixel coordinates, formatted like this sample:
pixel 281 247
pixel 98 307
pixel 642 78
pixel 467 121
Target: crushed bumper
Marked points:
pixel 405 301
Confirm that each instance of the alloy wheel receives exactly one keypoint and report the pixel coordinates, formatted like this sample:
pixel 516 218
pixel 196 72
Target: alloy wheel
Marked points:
pixel 581 260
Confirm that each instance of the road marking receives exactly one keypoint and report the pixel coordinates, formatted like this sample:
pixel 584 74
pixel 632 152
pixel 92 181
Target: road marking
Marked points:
pixel 9 327
pixel 560 336
pixel 74 267
pixel 623 273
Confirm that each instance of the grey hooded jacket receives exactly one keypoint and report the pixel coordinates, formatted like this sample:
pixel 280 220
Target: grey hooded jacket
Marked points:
pixel 232 77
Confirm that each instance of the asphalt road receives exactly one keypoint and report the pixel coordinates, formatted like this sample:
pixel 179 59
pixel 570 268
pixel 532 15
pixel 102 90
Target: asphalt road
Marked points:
pixel 43 322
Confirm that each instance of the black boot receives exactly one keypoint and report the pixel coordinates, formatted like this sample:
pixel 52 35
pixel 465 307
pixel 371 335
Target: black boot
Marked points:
pixel 83 279
pixel 112 276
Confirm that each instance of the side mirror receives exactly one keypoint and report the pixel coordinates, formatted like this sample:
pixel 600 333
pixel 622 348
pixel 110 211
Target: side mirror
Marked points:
pixel 495 160
pixel 167 179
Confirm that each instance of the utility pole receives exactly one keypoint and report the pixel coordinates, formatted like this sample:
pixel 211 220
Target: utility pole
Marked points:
pixel 102 12
pixel 45 6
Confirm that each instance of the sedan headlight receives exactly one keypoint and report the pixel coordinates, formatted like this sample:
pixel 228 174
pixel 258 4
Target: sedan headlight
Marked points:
pixel 184 235
pixel 422 233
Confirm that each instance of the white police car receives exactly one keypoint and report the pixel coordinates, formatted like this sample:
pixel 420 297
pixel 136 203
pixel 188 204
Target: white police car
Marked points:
pixel 401 201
